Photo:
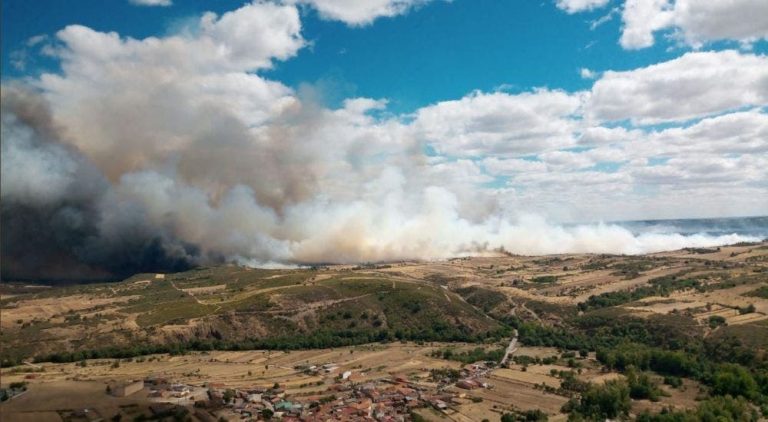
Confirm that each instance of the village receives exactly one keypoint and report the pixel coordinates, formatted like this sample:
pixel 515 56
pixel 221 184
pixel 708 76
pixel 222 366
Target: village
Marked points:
pixel 348 397
pixel 384 382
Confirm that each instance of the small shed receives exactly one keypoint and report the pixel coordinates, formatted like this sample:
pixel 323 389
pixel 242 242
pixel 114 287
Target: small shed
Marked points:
pixel 126 389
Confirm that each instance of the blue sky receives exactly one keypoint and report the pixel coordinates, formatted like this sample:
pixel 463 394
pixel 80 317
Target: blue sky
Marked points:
pixel 336 130
pixel 439 51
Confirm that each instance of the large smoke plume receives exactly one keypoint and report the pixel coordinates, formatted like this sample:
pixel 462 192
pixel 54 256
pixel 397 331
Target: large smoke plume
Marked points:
pixel 63 218
pixel 165 153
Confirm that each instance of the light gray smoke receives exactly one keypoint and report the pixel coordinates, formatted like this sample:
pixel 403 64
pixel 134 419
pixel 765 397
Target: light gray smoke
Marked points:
pixel 63 218
pixel 167 152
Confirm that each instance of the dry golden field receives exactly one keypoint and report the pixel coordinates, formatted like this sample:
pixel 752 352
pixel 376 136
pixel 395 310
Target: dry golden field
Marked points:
pixel 707 293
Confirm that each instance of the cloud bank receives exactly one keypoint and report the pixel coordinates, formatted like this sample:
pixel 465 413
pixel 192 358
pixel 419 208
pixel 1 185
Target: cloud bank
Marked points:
pixel 693 23
pixel 161 153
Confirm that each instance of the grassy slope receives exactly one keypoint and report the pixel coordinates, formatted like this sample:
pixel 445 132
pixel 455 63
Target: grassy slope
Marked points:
pixel 247 304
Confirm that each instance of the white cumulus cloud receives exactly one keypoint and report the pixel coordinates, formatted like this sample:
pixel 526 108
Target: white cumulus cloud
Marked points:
pixel 500 123
pixel 357 12
pixel 692 22
pixel 694 85
pixel 574 6
pixel 152 2
pixel 641 19
pixel 587 73
pixel 696 22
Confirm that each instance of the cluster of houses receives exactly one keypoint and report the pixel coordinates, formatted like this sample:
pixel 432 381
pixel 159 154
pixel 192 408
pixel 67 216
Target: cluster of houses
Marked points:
pixel 468 378
pixel 350 397
pixel 383 400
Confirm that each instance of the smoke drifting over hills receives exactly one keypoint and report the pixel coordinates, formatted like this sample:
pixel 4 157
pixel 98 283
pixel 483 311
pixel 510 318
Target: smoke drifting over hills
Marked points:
pixel 63 218
pixel 168 152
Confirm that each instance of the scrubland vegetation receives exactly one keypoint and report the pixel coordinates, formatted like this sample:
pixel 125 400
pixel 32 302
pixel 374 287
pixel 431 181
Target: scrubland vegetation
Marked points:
pixel 657 325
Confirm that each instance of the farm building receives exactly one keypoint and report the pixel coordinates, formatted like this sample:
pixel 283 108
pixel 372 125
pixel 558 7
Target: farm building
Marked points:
pixel 467 384
pixel 126 389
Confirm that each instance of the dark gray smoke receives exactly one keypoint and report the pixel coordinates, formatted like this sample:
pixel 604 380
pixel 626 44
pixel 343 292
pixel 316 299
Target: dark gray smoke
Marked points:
pixel 53 205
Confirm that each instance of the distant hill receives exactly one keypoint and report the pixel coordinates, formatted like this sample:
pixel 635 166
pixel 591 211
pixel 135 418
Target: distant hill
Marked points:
pixel 234 307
